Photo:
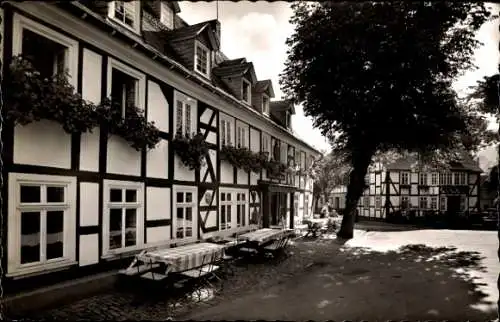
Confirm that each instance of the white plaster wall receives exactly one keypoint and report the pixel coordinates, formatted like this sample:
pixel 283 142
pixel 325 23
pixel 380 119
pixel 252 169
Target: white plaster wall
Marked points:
pixel 242 176
pixel 226 172
pixel 89 249
pixel 413 177
pixel 211 137
pixel 89 204
pixel 414 201
pixel 472 178
pixel 157 161
pixel 42 143
pixel 157 234
pixel 212 218
pixel 158 203
pixel 414 189
pixel 394 176
pixel 89 151
pixel 122 158
pixel 254 140
pixel 254 178
pixel 157 107
pixel 182 172
pixel 206 115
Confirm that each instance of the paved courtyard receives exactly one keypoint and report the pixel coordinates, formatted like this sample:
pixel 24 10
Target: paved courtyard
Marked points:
pixel 367 278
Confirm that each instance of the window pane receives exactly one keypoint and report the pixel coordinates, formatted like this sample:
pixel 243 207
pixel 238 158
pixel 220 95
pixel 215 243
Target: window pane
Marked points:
pixel 243 196
pixel 189 232
pixel 180 213
pixel 30 237
pixel 189 197
pixel 55 234
pixel 238 215
pixel 228 197
pixel 189 214
pixel 115 195
pixel 222 197
pixel 238 196
pixel 188 119
pixel 131 195
pixel 178 118
pixel 55 194
pixel 180 197
pixel 243 212
pixel 115 228
pixel 223 215
pixel 30 194
pixel 130 227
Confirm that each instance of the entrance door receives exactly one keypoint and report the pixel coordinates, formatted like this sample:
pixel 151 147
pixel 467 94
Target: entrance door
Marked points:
pixel 453 204
pixel 274 208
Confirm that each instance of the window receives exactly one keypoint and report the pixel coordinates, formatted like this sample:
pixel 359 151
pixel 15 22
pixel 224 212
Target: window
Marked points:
pixel 265 104
pixel 50 52
pixel 297 158
pixel 423 202
pixel 366 202
pixel 434 178
pixel 378 202
pixel 124 218
pixel 126 86
pixel 456 176
pixel 241 209
pixel 241 136
pixel 42 219
pixel 434 203
pixel 184 114
pixel 201 59
pixel 423 179
pixel 167 15
pixel 265 143
pixel 463 178
pixel 405 203
pixel 442 204
pixel 448 179
pixel 127 13
pixel 405 178
pixel 306 205
pixel 225 131
pixel 185 213
pixel 246 91
pixel 225 210
pixel 275 155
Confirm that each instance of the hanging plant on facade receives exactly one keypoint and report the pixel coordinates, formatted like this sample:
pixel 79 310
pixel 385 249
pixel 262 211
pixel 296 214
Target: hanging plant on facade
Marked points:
pixel 241 158
pixel 275 168
pixel 133 127
pixel 31 97
pixel 191 149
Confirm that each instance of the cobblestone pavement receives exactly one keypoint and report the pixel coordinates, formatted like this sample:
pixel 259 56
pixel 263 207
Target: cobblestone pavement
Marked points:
pixel 248 278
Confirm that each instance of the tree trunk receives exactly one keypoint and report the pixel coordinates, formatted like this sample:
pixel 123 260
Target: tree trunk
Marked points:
pixel 355 190
pixel 498 229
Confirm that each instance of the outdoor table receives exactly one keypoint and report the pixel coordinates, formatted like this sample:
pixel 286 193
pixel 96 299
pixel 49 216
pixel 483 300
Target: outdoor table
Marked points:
pixel 264 235
pixel 182 258
pixel 315 225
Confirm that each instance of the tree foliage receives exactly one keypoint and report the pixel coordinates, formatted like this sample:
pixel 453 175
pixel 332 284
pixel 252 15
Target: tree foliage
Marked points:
pixel 376 77
pixel 328 172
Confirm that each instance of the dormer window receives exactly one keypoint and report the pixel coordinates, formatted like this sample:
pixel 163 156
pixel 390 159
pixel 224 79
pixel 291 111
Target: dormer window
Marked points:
pixel 245 91
pixel 127 13
pixel 202 59
pixel 265 104
pixel 167 16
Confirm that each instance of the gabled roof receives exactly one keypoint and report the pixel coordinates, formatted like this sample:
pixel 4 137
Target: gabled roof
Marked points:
pixel 407 163
pixel 263 85
pixel 282 105
pixel 234 68
pixel 188 32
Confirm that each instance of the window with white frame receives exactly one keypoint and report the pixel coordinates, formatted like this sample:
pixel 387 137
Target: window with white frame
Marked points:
pixel 405 202
pixel 405 178
pixel 166 15
pixel 241 209
pixel 241 136
pixel 463 178
pixel 378 202
pixel 423 202
pixel 448 179
pixel 202 59
pixel 366 201
pixel 123 216
pixel 49 52
pixel 184 114
pixel 246 91
pixel 265 104
pixel 226 205
pixel 185 213
pixel 41 220
pixel 433 203
pixel 423 179
pixel 434 178
pixel 126 86
pixel 226 130
pixel 456 176
pixel 127 13
pixel 265 143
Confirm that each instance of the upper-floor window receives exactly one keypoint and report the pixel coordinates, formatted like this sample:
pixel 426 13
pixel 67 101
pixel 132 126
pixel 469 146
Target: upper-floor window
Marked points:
pixel 434 178
pixel 448 179
pixel 265 104
pixel 226 128
pixel 202 59
pixel 265 143
pixel 126 13
pixel 463 178
pixel 167 15
pixel 184 114
pixel 246 94
pixel 423 179
pixel 241 136
pixel 405 178
pixel 276 149
pixel 125 86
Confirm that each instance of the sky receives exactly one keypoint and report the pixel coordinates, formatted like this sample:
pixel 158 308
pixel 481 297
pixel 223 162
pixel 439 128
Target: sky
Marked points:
pixel 258 31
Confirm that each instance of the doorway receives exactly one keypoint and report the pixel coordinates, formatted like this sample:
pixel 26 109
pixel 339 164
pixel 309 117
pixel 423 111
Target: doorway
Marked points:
pixel 453 204
pixel 278 208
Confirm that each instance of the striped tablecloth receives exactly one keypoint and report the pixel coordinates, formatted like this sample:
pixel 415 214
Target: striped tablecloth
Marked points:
pixel 265 235
pixel 183 257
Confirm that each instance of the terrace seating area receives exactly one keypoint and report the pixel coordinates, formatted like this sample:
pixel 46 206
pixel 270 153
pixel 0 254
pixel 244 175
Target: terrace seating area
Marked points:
pixel 198 264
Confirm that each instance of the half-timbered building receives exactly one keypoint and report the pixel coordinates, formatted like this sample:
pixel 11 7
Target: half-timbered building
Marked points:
pixel 403 186
pixel 78 201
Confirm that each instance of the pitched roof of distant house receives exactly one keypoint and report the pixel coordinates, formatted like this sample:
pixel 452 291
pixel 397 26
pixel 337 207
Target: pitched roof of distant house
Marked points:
pixel 263 85
pixel 407 163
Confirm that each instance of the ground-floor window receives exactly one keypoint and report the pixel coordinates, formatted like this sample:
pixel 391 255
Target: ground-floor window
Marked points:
pixel 423 203
pixel 226 207
pixel 123 215
pixel 378 202
pixel 185 210
pixel 241 209
pixel 433 203
pixel 42 215
pixel 405 202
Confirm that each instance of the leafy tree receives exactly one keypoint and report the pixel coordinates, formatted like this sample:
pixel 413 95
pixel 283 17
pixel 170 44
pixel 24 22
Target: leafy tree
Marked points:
pixel 376 77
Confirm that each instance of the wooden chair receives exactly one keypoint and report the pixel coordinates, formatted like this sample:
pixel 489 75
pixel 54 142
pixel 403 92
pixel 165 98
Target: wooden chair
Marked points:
pixel 201 275
pixel 276 248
